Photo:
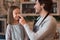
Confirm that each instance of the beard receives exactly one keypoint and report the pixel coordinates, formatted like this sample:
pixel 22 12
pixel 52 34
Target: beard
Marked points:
pixel 39 11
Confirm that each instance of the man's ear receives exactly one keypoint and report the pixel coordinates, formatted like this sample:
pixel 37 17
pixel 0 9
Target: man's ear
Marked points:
pixel 42 5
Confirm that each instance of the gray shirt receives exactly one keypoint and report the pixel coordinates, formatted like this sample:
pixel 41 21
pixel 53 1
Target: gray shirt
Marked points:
pixel 46 30
pixel 14 32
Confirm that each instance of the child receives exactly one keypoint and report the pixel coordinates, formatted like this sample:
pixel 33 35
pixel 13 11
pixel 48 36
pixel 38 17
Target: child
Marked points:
pixel 14 29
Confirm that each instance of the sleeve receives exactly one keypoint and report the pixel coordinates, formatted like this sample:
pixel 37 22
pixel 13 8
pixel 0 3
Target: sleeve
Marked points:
pixel 25 34
pixel 8 33
pixel 42 32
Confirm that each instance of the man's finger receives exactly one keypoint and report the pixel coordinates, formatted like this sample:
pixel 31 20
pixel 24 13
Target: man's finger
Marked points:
pixel 20 16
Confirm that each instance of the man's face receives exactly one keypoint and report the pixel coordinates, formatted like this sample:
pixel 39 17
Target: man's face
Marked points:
pixel 38 7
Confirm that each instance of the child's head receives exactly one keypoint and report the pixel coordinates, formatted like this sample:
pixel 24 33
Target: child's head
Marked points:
pixel 13 13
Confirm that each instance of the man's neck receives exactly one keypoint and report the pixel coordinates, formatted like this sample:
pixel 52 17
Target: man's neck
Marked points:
pixel 43 13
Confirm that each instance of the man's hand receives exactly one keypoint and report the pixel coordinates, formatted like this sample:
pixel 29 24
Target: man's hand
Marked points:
pixel 22 20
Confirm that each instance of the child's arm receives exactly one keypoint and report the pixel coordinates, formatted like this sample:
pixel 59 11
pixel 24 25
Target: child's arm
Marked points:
pixel 26 37
pixel 8 33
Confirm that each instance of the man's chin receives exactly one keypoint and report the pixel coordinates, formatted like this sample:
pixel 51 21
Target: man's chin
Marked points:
pixel 37 12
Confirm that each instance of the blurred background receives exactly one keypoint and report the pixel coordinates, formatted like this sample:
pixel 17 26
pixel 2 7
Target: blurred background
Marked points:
pixel 28 12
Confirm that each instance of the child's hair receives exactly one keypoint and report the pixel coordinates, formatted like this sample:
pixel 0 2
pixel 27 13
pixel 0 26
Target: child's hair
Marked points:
pixel 10 14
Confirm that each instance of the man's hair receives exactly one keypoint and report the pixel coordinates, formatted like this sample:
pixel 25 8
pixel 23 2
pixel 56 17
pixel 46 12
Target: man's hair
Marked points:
pixel 48 4
pixel 10 14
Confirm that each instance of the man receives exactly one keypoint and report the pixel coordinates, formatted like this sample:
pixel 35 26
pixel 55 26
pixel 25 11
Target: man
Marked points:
pixel 45 27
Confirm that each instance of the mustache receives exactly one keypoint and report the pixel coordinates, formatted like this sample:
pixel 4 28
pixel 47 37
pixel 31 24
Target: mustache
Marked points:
pixel 37 12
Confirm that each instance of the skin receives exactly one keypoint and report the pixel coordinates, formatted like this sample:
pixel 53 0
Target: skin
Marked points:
pixel 39 9
pixel 16 13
